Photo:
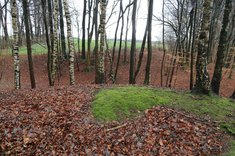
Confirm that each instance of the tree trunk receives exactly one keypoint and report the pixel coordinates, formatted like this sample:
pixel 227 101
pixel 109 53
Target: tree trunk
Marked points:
pixel 84 31
pixel 62 35
pixel 28 42
pixel 43 2
pixel 89 36
pixel 51 27
pixel 100 78
pixel 163 40
pixel 141 53
pixel 133 44
pixel 70 43
pixel 55 43
pixel 114 45
pixel 127 29
pixel 96 41
pixel 233 95
pixel 193 45
pixel 202 77
pixel 120 44
pixel 3 19
pixel 15 45
pixel 216 79
pixel 149 58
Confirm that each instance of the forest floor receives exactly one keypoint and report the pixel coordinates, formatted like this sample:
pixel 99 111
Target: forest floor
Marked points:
pixel 59 120
pixel 180 80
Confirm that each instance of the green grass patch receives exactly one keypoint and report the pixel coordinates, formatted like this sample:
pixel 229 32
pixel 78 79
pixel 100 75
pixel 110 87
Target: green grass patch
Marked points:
pixel 124 102
pixel 41 48
pixel 121 103
pixel 37 49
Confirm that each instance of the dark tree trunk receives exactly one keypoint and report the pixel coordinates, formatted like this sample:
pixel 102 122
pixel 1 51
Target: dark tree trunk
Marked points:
pixel 89 34
pixel 51 24
pixel 163 40
pixel 62 34
pixel 114 45
pixel 127 29
pixel 43 2
pixel 133 44
pixel 120 44
pixel 216 79
pixel 84 31
pixel 193 45
pixel 4 23
pixel 28 41
pixel 149 58
pixel 96 39
pixel 233 95
pixel 141 53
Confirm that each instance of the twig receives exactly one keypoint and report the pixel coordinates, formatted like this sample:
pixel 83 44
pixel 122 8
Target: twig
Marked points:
pixel 115 128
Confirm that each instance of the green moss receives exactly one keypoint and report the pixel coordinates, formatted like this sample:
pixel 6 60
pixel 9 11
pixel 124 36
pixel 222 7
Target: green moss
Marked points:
pixel 125 102
pixel 121 103
pixel 128 102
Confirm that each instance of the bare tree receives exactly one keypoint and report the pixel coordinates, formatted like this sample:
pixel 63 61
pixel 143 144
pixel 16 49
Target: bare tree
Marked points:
pixel 70 43
pixel 217 76
pixel 55 43
pixel 84 31
pixel 15 46
pixel 28 41
pixel 202 77
pixel 100 75
pixel 133 44
pixel 62 34
pixel 149 57
pixel 44 9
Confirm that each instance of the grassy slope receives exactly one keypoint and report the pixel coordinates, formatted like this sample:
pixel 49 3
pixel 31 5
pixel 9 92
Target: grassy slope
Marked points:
pixel 128 102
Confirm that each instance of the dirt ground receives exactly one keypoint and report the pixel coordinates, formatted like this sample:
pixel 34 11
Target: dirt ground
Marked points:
pixel 180 80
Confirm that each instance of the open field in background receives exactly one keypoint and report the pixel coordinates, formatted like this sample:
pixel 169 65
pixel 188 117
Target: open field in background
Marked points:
pixel 41 48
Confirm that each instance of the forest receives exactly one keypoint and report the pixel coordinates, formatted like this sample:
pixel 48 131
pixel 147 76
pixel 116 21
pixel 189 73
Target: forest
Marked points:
pixel 115 77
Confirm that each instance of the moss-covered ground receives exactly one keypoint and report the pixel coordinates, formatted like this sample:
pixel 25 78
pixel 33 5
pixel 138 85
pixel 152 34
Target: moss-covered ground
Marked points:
pixel 121 103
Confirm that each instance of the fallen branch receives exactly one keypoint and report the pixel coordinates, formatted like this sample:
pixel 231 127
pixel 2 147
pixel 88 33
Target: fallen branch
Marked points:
pixel 115 128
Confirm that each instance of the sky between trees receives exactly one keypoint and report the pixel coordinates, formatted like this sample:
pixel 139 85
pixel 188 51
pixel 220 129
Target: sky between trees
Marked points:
pixel 77 6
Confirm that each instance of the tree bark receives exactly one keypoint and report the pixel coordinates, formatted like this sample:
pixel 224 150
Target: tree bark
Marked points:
pixel 84 31
pixel 62 35
pixel 149 57
pixel 133 44
pixel 43 3
pixel 202 85
pixel 217 76
pixel 55 42
pixel 28 42
pixel 89 35
pixel 15 44
pixel 127 29
pixel 70 43
pixel 163 40
pixel 100 78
